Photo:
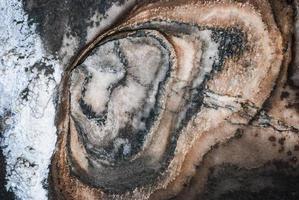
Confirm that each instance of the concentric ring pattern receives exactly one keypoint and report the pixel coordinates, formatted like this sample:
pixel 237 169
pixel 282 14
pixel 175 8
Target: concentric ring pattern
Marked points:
pixel 143 104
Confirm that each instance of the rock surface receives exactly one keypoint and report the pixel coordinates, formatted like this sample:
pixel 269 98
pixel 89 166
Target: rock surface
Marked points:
pixel 151 99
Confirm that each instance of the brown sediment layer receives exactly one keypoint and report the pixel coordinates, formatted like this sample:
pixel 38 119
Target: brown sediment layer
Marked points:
pixel 142 106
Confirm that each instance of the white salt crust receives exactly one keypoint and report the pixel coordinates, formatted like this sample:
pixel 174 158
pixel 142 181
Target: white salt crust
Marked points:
pixel 29 133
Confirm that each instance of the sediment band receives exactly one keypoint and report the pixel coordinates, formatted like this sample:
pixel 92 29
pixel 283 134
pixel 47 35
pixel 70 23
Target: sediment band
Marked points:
pixel 143 105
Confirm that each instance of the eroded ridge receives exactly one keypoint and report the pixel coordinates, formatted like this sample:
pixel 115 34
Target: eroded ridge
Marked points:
pixel 143 105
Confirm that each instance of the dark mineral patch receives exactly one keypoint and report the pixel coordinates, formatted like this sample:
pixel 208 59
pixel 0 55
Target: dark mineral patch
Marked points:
pixel 233 183
pixel 284 95
pixel 55 18
pixel 272 138
pixel 4 194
